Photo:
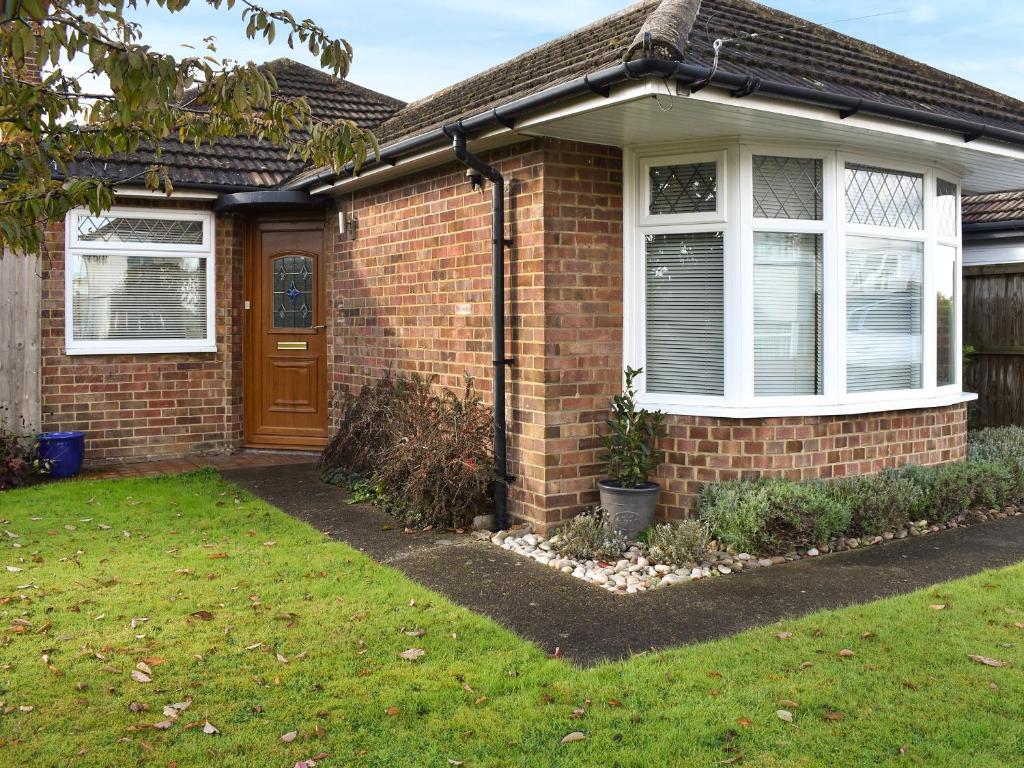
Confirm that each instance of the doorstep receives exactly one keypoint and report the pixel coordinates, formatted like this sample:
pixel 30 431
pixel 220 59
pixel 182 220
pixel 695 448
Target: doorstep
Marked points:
pixel 590 625
pixel 240 460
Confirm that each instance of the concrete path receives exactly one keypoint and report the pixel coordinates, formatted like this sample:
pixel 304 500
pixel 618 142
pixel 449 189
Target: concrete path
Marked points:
pixel 590 625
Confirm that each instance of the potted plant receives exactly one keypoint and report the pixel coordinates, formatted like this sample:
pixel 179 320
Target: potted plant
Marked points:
pixel 628 496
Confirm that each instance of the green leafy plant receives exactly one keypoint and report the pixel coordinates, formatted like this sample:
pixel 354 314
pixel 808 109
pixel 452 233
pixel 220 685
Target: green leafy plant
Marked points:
pixel 879 503
pixel 19 460
pixel 678 542
pixel 50 117
pixel 630 444
pixel 589 536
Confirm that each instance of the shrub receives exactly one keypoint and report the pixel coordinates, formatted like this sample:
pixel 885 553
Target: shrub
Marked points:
pixel 364 430
pixel 426 456
pixel 589 537
pixel 19 461
pixel 772 515
pixel 631 455
pixel 439 467
pixel 950 489
pixel 678 543
pixel 734 513
pixel 1000 444
pixel 879 503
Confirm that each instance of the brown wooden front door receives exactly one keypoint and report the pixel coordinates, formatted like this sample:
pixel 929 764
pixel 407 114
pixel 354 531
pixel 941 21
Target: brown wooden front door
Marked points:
pixel 285 375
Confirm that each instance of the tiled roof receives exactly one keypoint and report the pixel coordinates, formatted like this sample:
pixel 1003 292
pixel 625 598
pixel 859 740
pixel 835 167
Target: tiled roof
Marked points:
pixel 761 42
pixel 246 162
pixel 994 207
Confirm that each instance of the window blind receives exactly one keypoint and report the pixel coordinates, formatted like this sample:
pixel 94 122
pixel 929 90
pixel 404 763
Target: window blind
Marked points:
pixel 884 341
pixel 129 297
pixel 945 315
pixel 787 314
pixel 685 313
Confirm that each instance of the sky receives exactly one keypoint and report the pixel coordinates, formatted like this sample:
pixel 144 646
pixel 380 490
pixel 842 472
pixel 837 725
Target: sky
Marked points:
pixel 410 49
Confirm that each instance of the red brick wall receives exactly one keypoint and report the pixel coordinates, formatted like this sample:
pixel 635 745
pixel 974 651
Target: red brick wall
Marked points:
pixel 412 292
pixel 140 406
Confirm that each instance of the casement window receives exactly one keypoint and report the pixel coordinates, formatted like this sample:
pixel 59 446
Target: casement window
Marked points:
pixel 139 280
pixel 778 281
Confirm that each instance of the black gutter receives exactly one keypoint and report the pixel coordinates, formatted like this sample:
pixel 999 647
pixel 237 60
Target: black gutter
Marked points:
pixel 992 226
pixel 499 361
pixel 686 74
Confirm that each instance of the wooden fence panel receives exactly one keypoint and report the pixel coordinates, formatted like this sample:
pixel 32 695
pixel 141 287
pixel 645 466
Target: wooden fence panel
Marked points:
pixel 994 326
pixel 20 362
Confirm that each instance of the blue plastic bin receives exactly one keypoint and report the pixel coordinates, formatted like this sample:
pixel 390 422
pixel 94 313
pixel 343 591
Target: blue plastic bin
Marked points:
pixel 62 452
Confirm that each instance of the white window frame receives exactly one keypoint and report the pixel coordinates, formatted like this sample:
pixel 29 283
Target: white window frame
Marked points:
pixel 734 217
pixel 75 248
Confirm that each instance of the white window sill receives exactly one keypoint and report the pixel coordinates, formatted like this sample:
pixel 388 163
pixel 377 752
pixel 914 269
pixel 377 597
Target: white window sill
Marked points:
pixel 140 348
pixel 761 411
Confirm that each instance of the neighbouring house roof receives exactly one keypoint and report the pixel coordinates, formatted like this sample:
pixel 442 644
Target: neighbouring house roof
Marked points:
pixel 760 42
pixel 247 162
pixel 993 208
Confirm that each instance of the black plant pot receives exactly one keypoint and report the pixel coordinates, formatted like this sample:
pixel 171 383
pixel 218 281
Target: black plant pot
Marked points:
pixel 629 510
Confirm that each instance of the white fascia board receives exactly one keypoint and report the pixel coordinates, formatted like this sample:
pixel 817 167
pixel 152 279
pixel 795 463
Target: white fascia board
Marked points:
pixel 863 121
pixel 498 137
pixel 178 194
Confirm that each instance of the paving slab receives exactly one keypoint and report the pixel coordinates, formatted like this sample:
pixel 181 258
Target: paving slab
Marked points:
pixel 590 625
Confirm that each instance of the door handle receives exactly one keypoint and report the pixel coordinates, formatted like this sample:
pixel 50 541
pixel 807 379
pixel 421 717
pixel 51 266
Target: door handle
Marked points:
pixel 318 327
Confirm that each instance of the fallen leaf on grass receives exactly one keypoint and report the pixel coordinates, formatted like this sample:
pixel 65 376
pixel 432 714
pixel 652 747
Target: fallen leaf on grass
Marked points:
pixel 163 725
pixel 412 654
pixel 14 569
pixel 789 704
pixel 289 737
pixel 614 703
pixel 217 555
pixel 846 653
pixel 141 677
pixel 144 668
pixel 784 635
pixel 834 716
pixel 938 607
pixel 785 715
pixel 392 711
pixel 745 722
pixel 210 729
pixel 200 615
pixel 282 658
pixel 988 661
pixel 454 762
pixel 569 738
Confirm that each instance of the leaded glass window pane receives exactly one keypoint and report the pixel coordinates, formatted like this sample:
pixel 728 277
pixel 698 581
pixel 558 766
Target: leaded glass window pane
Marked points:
pixel 685 289
pixel 787 314
pixel 884 198
pixel 124 297
pixel 946 207
pixel 293 292
pixel 123 229
pixel 787 188
pixel 884 301
pixel 687 188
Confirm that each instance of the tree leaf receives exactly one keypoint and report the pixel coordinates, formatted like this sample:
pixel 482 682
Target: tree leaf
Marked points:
pixel 569 738
pixel 988 661
pixel 412 654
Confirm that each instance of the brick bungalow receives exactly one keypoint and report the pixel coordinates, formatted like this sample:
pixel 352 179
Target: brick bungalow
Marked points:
pixel 760 212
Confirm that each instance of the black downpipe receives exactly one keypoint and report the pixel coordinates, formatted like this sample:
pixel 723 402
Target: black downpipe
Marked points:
pixel 499 361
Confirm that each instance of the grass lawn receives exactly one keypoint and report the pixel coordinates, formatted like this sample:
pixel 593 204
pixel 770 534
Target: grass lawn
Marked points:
pixel 271 630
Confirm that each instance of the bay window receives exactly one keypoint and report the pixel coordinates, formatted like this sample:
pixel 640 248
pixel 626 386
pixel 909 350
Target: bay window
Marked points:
pixel 763 281
pixel 139 280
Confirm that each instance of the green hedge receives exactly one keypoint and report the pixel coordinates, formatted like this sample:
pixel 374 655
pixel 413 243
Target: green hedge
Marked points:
pixel 773 515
